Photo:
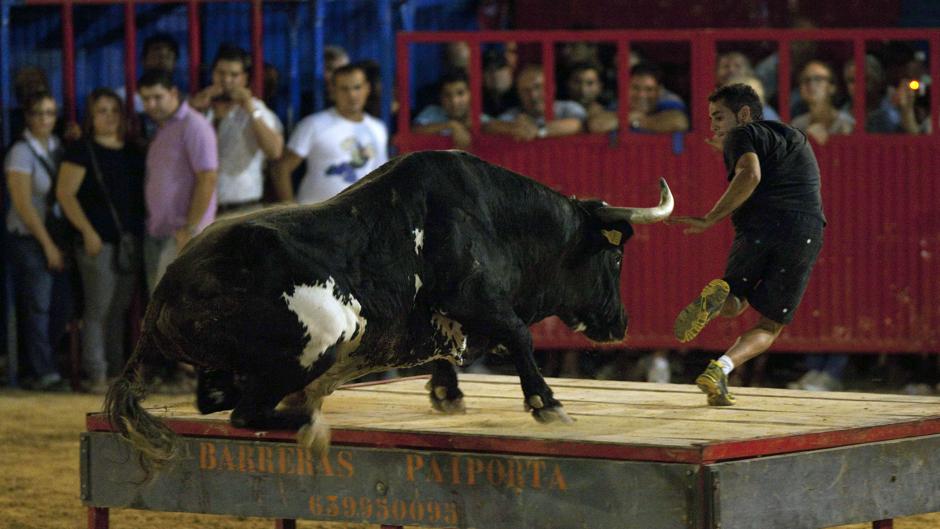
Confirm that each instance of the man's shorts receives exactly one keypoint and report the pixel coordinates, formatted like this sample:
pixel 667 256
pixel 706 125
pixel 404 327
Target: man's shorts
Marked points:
pixel 770 262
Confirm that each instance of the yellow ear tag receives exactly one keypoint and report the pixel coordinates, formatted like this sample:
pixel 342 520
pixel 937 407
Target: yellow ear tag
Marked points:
pixel 613 236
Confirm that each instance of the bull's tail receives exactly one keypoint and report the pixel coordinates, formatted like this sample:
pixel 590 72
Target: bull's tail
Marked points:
pixel 153 440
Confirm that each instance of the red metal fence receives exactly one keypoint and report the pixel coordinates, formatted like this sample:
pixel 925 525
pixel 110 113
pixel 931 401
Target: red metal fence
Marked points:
pixel 875 287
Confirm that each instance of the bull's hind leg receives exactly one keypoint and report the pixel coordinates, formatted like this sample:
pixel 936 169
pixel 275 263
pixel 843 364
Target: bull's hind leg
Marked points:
pixel 262 393
pixel 446 397
pixel 216 390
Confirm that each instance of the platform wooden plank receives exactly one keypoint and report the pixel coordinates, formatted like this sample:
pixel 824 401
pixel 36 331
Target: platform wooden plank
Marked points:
pixel 622 420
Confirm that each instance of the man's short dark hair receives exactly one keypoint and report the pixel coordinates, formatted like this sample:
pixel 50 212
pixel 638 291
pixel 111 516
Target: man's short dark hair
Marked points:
pixel 359 66
pixel 494 59
pixel 648 68
pixel 162 39
pixel 457 75
pixel 155 77
pixel 232 53
pixel 737 96
pixel 584 66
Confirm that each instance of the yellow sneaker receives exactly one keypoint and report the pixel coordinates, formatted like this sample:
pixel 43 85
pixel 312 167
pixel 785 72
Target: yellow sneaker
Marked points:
pixel 696 315
pixel 714 383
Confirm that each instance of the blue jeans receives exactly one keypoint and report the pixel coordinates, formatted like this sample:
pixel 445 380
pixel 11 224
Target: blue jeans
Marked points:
pixel 32 287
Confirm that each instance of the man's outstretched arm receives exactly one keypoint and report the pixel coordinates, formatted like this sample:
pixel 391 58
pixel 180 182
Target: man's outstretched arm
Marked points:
pixel 746 177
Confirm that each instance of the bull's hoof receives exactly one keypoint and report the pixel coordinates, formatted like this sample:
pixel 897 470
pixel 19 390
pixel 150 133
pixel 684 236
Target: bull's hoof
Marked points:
pixel 315 435
pixel 552 414
pixel 450 402
pixel 294 402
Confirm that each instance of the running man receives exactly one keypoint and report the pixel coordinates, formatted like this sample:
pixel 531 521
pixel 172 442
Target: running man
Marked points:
pixel 775 205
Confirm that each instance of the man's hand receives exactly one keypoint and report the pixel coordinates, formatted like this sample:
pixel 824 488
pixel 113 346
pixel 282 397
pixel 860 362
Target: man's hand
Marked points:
pixel 695 224
pixel 525 128
pixel 203 98
pixel 716 143
pixel 460 134
pixel 182 237
pixel 242 96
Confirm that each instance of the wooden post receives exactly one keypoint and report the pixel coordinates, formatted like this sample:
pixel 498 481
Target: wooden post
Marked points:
pixel 97 518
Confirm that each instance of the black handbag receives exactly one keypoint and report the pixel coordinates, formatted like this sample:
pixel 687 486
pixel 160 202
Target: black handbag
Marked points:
pixel 59 228
pixel 127 250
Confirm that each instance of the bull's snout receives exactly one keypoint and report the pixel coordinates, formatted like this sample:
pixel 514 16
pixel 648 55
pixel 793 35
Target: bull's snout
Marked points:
pixel 611 331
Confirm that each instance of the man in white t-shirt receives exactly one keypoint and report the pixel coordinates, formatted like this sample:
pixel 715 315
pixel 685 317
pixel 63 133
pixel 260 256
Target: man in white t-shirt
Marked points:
pixel 341 144
pixel 248 132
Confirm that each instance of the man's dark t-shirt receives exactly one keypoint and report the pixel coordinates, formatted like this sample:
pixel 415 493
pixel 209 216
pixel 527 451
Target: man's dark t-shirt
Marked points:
pixel 789 172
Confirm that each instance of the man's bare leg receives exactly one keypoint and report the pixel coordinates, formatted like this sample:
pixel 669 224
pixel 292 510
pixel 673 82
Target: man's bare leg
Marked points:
pixel 755 341
pixel 714 380
pixel 733 307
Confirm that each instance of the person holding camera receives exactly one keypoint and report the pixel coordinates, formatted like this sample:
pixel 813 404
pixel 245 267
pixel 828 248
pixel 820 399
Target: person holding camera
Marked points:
pixel 248 132
pixel 101 191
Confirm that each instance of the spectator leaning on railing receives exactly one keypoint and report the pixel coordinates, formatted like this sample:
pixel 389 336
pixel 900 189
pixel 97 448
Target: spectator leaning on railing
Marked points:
pixel 452 116
pixel 817 90
pixel 527 121
pixel 652 107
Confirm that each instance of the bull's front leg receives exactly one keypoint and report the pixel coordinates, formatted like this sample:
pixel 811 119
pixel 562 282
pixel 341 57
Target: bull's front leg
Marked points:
pixel 446 397
pixel 539 398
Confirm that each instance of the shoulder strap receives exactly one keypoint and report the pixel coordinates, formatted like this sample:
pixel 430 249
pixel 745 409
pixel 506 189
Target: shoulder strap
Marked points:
pixel 53 174
pixel 104 188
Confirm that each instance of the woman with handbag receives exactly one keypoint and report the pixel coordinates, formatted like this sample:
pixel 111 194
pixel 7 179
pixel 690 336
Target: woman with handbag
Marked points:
pixel 100 189
pixel 30 168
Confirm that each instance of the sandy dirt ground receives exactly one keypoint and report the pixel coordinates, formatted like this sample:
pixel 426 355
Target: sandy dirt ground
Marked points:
pixel 39 472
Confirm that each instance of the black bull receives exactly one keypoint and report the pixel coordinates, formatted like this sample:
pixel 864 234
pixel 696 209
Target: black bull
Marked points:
pixel 435 256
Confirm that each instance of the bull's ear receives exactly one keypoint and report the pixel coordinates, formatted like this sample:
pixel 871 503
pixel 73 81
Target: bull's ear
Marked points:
pixel 614 237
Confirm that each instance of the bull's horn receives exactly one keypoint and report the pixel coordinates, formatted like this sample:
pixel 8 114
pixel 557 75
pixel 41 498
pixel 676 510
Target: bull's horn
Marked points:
pixel 641 215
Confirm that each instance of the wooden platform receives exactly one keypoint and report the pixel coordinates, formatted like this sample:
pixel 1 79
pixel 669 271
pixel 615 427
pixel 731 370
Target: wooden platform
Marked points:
pixel 656 453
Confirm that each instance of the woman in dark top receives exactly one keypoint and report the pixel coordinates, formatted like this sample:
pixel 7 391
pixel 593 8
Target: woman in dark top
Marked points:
pixel 103 155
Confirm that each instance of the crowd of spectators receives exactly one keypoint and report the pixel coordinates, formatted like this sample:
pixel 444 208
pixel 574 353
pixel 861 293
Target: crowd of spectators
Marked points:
pixel 585 97
pixel 99 211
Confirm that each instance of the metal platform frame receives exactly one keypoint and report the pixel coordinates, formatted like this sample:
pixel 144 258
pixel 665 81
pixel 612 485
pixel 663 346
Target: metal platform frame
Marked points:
pixel 414 478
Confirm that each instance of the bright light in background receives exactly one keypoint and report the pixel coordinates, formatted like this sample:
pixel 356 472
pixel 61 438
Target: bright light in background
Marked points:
pixel 914 85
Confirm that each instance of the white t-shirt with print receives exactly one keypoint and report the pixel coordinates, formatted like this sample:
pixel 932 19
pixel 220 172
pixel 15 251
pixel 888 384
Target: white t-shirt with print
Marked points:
pixel 338 151
pixel 241 159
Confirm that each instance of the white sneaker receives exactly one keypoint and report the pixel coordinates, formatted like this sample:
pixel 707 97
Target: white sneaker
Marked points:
pixel 808 378
pixel 823 382
pixel 658 371
pixel 917 389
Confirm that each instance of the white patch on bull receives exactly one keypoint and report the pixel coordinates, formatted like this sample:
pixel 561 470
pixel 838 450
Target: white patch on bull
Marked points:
pixel 419 240
pixel 455 341
pixel 418 285
pixel 328 318
pixel 580 327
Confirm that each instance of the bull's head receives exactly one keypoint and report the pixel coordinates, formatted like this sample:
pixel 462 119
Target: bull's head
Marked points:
pixel 594 304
